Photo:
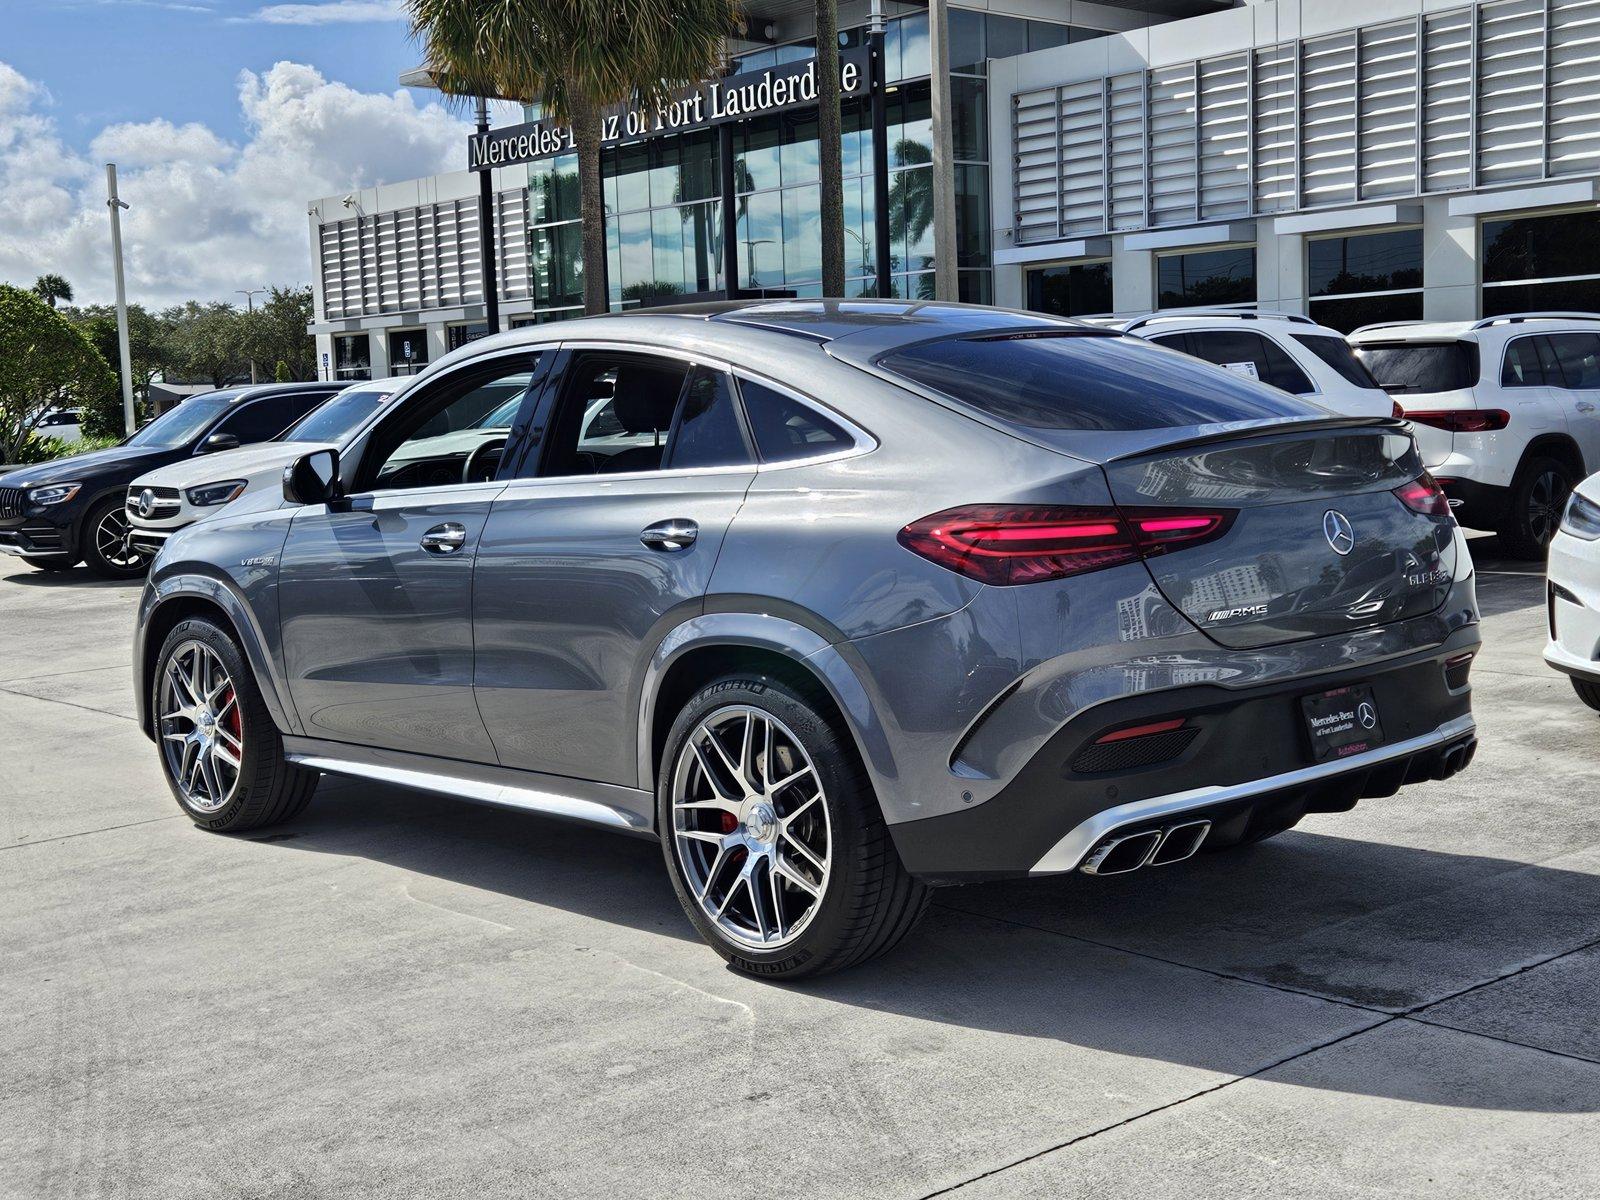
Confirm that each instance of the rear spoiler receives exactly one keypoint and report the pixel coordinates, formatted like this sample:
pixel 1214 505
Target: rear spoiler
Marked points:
pixel 1248 431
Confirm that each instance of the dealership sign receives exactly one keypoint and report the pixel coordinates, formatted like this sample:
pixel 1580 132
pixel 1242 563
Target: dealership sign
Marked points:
pixel 715 102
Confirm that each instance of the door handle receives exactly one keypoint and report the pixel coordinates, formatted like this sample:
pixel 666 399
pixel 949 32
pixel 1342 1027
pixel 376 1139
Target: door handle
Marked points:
pixel 670 535
pixel 1585 406
pixel 445 539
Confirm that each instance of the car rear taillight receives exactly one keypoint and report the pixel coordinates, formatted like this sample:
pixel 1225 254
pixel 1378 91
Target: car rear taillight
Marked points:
pixel 1005 544
pixel 1395 411
pixel 1424 495
pixel 1462 420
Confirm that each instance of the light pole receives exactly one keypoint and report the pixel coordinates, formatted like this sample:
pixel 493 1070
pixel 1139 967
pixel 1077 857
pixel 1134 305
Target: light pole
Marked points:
pixel 486 231
pixel 249 295
pixel 116 205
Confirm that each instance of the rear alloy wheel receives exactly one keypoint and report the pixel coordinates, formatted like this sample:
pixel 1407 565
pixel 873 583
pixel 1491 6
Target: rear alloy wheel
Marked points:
pixel 773 836
pixel 106 546
pixel 221 753
pixel 1538 497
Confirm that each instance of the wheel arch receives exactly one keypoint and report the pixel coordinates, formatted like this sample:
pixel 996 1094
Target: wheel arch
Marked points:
pixel 1559 446
pixel 175 599
pixel 715 644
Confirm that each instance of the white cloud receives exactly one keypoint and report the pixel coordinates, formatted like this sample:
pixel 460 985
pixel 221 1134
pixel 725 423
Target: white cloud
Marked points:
pixel 334 12
pixel 206 216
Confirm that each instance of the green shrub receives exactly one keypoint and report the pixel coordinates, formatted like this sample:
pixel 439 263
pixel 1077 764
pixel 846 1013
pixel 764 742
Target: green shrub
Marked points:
pixel 47 449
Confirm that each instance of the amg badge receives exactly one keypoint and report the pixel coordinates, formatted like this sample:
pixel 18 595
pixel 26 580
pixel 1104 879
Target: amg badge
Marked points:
pixel 1228 614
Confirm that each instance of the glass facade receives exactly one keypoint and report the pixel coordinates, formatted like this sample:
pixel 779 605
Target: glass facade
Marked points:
pixel 664 224
pixel 1365 278
pixel 352 356
pixel 1207 277
pixel 408 351
pixel 1070 289
pixel 1542 264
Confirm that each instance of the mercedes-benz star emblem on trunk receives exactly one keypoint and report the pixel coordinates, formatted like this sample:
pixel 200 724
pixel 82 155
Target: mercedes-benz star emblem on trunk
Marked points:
pixel 1337 529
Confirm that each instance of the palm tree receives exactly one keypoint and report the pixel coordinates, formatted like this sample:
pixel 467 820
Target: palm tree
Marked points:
pixel 830 164
pixel 575 58
pixel 51 288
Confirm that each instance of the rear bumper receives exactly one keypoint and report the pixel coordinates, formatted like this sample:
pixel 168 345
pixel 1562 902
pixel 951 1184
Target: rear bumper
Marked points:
pixel 1476 505
pixel 1246 760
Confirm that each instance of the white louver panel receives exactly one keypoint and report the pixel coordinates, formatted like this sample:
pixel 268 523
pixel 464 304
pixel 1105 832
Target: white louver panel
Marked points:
pixel 1083 175
pixel 1328 120
pixel 413 259
pixel 1510 90
pixel 1273 106
pixel 1573 124
pixel 1387 111
pixel 1224 107
pixel 1035 159
pixel 1125 148
pixel 1172 145
pixel 1447 110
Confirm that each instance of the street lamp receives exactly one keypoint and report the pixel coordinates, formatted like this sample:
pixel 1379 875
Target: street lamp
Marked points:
pixel 249 295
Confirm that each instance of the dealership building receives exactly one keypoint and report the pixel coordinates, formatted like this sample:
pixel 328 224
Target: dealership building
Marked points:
pixel 1361 161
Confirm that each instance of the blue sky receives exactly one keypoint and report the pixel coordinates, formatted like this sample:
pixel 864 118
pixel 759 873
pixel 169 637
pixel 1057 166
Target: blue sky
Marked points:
pixel 225 118
pixel 111 61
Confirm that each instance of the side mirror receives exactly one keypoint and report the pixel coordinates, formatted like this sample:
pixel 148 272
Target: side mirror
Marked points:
pixel 313 478
pixel 219 441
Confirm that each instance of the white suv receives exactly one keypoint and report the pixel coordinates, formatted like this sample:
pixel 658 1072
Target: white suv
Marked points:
pixel 1287 350
pixel 1504 410
pixel 165 500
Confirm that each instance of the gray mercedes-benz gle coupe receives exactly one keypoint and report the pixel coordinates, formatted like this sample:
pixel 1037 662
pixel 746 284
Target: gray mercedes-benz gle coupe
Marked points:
pixel 839 600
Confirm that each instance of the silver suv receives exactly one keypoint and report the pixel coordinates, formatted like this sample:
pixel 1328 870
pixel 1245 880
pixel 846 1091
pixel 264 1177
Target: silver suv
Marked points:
pixel 837 600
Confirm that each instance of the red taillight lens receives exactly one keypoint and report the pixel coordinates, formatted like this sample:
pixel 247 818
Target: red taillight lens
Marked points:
pixel 1006 544
pixel 1465 420
pixel 1139 731
pixel 1424 495
pixel 1395 411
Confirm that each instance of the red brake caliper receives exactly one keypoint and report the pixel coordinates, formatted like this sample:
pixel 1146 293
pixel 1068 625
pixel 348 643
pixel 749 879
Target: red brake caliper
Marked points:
pixel 235 727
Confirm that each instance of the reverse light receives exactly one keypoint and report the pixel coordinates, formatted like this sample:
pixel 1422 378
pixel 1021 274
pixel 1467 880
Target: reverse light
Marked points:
pixel 209 495
pixel 1581 518
pixel 54 493
pixel 1424 495
pixel 1462 420
pixel 1004 544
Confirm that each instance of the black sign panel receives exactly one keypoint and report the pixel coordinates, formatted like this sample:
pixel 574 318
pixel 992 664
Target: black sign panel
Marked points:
pixel 1342 722
pixel 731 98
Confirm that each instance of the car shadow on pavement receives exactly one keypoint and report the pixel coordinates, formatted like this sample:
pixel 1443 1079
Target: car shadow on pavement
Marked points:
pixel 1228 962
pixel 76 577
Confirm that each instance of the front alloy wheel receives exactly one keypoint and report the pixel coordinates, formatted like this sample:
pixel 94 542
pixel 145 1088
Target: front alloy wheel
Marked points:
pixel 202 734
pixel 107 547
pixel 750 822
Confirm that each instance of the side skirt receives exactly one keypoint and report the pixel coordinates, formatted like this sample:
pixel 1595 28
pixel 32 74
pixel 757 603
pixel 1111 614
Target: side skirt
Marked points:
pixel 629 810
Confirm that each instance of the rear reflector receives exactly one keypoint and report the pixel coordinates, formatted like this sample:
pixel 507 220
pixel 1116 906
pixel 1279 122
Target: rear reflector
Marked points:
pixel 1424 495
pixel 1004 544
pixel 1456 670
pixel 1463 420
pixel 1134 731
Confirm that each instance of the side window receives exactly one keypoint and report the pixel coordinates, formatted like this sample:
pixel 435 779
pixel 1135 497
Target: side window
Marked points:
pixel 452 432
pixel 707 432
pixel 615 414
pixel 785 429
pixel 1578 355
pixel 258 420
pixel 1244 352
pixel 1522 367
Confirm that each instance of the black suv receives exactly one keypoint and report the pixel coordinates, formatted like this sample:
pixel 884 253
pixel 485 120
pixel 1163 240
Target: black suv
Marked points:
pixel 58 513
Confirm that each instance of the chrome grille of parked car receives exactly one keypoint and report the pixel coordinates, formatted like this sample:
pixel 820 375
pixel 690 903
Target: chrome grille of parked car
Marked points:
pixel 166 500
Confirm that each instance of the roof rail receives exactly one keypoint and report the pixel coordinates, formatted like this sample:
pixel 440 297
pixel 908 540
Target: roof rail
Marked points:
pixel 1238 314
pixel 1518 318
pixel 1384 325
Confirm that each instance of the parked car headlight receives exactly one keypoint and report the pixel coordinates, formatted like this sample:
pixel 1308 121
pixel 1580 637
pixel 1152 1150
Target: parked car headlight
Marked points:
pixel 209 495
pixel 1582 518
pixel 54 493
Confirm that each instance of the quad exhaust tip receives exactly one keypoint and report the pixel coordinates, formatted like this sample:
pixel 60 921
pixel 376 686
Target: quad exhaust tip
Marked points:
pixel 1148 848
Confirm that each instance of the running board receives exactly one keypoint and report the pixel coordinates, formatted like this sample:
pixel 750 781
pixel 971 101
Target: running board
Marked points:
pixel 630 810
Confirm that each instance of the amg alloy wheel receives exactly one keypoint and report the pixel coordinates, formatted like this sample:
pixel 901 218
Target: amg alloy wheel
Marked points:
pixel 106 545
pixel 750 824
pixel 202 735
pixel 220 751
pixel 773 836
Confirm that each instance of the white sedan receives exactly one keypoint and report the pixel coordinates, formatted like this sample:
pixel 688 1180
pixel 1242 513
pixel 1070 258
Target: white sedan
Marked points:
pixel 165 500
pixel 1574 593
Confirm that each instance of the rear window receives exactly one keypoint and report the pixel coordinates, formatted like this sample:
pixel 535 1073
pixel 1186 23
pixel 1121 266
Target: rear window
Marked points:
pixel 1336 352
pixel 1421 367
pixel 1075 381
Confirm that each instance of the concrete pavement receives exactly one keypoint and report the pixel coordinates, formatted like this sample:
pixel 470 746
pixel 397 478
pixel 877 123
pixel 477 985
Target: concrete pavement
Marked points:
pixel 400 995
